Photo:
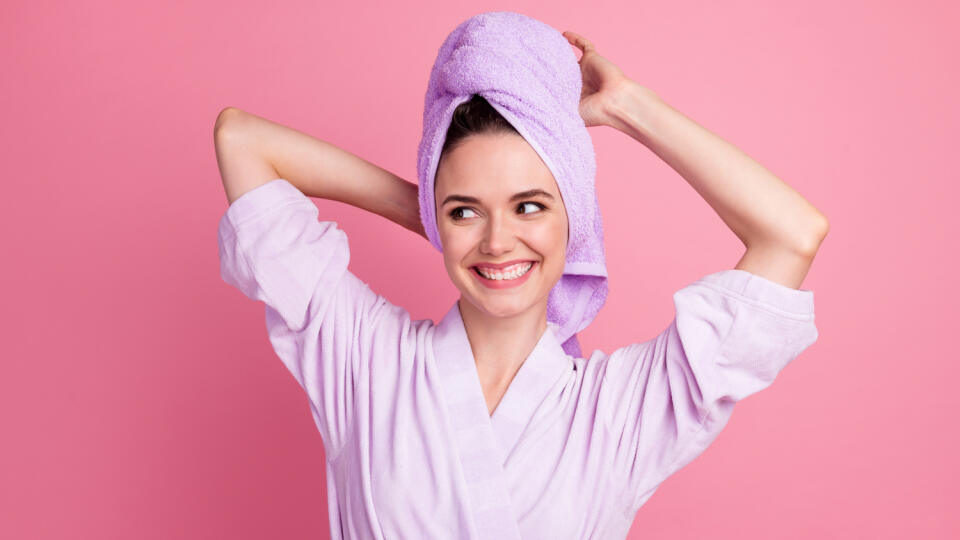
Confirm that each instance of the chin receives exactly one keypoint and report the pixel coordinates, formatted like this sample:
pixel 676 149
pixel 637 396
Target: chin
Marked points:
pixel 500 309
pixel 505 309
pixel 499 303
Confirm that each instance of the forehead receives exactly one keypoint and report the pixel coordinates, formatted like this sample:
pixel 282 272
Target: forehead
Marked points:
pixel 492 166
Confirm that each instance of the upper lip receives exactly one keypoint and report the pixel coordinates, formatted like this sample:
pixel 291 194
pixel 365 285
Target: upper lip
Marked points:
pixel 501 266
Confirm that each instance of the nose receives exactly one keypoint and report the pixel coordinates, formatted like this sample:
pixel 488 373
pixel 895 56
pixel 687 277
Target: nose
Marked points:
pixel 498 236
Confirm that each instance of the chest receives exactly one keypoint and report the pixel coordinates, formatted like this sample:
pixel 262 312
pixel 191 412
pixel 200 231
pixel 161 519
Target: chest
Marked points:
pixel 419 475
pixel 492 396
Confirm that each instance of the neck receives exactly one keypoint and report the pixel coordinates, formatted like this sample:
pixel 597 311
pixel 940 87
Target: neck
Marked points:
pixel 501 344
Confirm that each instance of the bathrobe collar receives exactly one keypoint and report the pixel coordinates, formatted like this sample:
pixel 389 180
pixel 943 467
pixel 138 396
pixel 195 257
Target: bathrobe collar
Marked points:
pixel 486 442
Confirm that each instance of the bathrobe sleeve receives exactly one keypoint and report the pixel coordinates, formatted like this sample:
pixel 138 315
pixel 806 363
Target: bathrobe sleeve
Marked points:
pixel 273 248
pixel 667 399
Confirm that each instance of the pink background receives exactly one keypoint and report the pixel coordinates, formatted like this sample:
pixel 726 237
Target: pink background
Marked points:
pixel 140 398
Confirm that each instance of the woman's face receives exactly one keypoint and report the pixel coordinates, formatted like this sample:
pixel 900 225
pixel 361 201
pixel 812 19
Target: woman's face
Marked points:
pixel 497 202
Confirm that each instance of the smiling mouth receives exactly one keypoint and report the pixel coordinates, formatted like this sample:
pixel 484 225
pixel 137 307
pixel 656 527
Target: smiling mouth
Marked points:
pixel 515 272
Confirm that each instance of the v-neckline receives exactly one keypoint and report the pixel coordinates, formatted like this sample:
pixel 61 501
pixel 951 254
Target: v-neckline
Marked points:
pixel 540 371
pixel 485 441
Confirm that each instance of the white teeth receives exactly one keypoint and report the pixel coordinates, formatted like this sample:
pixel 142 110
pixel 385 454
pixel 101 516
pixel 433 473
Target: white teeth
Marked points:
pixel 511 272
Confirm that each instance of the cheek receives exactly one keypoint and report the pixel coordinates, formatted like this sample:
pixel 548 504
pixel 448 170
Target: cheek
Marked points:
pixel 450 239
pixel 457 244
pixel 551 240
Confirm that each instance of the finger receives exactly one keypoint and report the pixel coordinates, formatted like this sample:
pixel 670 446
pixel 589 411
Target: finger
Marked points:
pixel 572 41
pixel 581 42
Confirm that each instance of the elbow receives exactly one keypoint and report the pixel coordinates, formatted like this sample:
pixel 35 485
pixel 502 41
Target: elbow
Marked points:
pixel 817 232
pixel 228 116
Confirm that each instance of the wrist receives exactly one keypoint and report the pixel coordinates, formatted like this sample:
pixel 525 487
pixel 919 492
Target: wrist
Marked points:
pixel 629 108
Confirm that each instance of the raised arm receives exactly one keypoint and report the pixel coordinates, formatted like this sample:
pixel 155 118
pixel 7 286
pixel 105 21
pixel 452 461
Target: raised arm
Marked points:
pixel 252 151
pixel 781 230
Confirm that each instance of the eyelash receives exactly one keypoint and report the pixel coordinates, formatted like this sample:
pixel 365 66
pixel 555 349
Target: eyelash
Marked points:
pixel 455 218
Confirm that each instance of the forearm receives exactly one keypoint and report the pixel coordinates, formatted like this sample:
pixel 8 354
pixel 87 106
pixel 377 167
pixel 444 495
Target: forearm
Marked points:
pixel 252 150
pixel 757 206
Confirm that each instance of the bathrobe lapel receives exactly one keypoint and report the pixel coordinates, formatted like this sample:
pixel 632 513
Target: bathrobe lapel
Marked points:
pixel 484 442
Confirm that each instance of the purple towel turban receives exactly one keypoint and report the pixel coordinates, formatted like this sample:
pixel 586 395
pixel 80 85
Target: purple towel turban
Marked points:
pixel 529 73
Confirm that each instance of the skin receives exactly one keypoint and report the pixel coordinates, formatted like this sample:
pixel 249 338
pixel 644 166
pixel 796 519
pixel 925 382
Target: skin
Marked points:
pixel 502 325
pixel 781 230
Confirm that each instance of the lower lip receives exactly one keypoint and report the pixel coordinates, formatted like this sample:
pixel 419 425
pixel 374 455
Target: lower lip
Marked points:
pixel 503 283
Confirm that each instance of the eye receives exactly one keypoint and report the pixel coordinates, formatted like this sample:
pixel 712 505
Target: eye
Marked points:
pixel 457 213
pixel 535 204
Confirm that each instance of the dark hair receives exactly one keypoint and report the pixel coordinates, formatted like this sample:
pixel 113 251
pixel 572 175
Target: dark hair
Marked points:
pixel 474 117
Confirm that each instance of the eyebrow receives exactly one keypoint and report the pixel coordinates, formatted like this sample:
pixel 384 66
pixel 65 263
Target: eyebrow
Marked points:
pixel 530 193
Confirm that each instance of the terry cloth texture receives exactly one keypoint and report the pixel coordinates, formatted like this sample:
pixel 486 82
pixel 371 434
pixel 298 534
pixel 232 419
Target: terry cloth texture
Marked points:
pixel 529 73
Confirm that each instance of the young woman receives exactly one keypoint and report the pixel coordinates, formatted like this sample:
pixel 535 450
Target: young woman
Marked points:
pixel 481 425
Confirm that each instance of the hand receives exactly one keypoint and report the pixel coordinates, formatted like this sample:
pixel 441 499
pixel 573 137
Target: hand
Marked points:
pixel 602 82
